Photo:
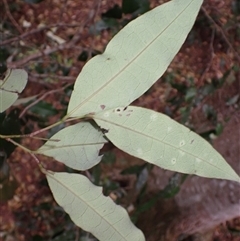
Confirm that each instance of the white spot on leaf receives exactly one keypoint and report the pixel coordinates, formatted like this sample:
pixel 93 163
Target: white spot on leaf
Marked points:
pixel 182 153
pixel 173 160
pixel 106 114
pixel 139 151
pixel 198 160
pixel 182 143
pixel 169 128
pixel 153 117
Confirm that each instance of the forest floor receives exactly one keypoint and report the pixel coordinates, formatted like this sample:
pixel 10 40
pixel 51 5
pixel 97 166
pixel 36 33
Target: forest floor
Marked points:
pixel 52 40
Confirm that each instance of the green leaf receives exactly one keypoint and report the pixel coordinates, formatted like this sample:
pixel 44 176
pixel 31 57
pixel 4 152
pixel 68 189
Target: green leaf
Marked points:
pixel 134 59
pixel 135 6
pixel 233 100
pixel 12 85
pixel 9 125
pixel 114 12
pixel 90 209
pixel 191 93
pixel 43 109
pixel 162 141
pixel 76 146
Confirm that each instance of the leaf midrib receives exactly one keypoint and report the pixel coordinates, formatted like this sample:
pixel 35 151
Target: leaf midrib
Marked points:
pixel 129 63
pixel 151 137
pixel 69 146
pixel 103 217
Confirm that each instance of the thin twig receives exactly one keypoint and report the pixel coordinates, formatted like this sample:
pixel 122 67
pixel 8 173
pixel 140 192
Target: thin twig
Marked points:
pixel 39 54
pixel 211 58
pixel 39 29
pixel 35 158
pixel 24 35
pixel 93 20
pixel 48 51
pixel 219 28
pixel 44 139
pixel 33 134
pixel 77 234
pixel 42 168
pixel 29 152
pixel 63 120
pixel 19 145
pixel 11 17
pixel 59 77
pixel 41 98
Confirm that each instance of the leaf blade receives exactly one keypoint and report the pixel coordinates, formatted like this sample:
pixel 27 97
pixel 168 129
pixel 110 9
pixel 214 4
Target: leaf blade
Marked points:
pixel 10 88
pixel 76 146
pixel 156 138
pixel 90 210
pixel 134 59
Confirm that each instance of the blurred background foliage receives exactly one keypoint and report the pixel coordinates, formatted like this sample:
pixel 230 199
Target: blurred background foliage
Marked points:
pixel 52 40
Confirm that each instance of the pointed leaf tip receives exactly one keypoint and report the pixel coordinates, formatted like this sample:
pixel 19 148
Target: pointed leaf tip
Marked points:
pixel 134 59
pixel 91 210
pixel 158 139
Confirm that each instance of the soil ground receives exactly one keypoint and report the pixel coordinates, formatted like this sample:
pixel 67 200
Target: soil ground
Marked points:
pixel 49 40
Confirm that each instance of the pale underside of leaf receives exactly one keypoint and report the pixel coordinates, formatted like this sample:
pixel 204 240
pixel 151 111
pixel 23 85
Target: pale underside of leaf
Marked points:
pixel 134 59
pixel 90 209
pixel 23 101
pixel 76 146
pixel 10 88
pixel 158 139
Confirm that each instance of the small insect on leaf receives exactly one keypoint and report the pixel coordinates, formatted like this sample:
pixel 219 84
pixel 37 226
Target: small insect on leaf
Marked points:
pixel 158 139
pixel 104 131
